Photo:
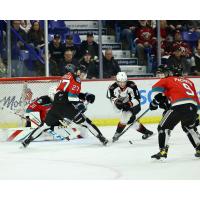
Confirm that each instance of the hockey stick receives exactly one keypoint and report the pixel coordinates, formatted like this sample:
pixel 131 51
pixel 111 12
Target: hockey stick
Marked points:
pixel 37 123
pixel 66 122
pixel 124 131
pixel 15 113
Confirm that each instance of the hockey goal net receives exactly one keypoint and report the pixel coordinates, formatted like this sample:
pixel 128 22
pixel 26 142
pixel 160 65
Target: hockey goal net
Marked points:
pixel 17 93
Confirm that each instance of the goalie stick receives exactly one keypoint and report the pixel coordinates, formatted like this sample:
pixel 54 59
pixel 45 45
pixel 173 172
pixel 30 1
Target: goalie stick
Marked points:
pixel 15 113
pixel 65 123
pixel 37 123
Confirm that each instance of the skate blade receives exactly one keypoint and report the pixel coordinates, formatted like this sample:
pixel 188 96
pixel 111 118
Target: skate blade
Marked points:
pixel 162 159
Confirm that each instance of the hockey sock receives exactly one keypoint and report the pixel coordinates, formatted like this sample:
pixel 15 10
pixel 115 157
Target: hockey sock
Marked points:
pixel 193 137
pixel 120 127
pixel 92 128
pixel 140 128
pixel 163 138
pixel 191 140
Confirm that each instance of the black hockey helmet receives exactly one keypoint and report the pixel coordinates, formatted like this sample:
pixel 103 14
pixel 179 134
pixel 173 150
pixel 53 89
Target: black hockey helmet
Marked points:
pixel 177 71
pixel 162 71
pixel 165 71
pixel 81 71
pixel 81 68
pixel 70 68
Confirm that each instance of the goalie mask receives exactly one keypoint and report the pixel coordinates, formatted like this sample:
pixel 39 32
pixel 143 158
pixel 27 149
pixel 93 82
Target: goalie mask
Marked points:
pixel 121 79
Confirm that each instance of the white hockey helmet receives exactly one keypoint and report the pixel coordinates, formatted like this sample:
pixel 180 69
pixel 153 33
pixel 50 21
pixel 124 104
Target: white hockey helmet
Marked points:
pixel 52 92
pixel 121 77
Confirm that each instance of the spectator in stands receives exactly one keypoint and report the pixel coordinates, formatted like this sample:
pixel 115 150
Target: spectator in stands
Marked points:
pixel 196 62
pixel 36 35
pixel 2 68
pixel 193 25
pixel 17 35
pixel 165 43
pixel 93 70
pixel 70 45
pixel 176 25
pixel 110 65
pixel 179 43
pixel 89 45
pixel 56 49
pixel 68 61
pixel 54 70
pixel 128 34
pixel 145 39
pixel 25 25
pixel 179 60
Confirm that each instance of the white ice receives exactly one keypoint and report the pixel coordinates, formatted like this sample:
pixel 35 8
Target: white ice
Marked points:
pixel 88 159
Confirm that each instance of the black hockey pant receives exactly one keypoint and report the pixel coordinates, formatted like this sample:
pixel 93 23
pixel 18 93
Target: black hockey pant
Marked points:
pixel 186 114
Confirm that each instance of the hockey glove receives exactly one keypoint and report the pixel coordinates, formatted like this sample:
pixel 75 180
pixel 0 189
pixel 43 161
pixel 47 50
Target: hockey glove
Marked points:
pixel 126 106
pixel 164 104
pixel 153 105
pixel 80 107
pixel 90 97
pixel 118 103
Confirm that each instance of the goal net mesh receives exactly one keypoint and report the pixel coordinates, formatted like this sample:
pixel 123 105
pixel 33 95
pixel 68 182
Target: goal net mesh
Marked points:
pixel 16 94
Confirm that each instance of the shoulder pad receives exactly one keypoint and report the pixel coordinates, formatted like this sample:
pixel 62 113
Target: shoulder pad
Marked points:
pixel 130 84
pixel 113 86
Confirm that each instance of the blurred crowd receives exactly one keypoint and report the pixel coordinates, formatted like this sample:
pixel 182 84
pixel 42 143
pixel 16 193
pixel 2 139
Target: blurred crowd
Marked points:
pixel 180 47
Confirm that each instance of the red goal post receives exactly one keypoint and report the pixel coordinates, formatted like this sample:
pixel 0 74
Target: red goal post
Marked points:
pixel 17 93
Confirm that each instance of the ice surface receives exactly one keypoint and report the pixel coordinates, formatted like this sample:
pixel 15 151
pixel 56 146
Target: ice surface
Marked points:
pixel 88 159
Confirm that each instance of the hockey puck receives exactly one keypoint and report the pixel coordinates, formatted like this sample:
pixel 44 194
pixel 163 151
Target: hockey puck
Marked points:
pixel 130 142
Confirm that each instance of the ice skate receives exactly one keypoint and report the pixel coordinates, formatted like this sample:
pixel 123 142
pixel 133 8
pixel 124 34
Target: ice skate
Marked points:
pixel 162 154
pixel 197 154
pixel 103 140
pixel 147 134
pixel 26 142
pixel 116 137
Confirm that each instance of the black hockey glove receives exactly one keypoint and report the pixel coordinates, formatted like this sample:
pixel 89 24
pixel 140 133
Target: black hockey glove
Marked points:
pixel 118 103
pixel 126 106
pixel 164 104
pixel 80 107
pixel 153 105
pixel 90 97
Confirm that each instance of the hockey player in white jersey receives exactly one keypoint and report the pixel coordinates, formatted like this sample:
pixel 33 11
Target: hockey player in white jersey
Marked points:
pixel 125 97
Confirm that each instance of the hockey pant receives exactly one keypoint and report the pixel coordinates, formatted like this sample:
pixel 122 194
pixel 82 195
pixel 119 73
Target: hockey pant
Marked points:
pixel 128 117
pixel 186 114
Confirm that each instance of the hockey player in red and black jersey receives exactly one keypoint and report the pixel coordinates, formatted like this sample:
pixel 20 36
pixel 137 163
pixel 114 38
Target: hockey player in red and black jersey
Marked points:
pixel 125 97
pixel 42 105
pixel 68 105
pixel 182 95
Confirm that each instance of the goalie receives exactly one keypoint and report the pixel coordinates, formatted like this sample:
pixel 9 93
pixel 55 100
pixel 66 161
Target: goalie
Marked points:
pixel 125 97
pixel 42 105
